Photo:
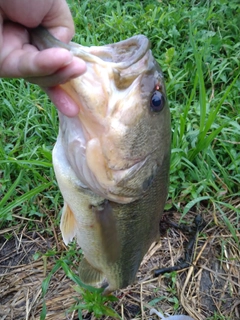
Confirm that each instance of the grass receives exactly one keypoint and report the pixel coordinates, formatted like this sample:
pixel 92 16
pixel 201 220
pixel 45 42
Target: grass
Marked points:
pixel 91 298
pixel 197 45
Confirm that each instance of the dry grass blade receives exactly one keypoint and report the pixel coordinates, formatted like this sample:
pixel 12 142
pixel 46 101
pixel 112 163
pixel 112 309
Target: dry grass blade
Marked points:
pixel 210 284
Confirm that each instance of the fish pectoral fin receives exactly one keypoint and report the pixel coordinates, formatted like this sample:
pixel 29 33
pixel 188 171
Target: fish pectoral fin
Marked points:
pixel 88 274
pixel 108 231
pixel 68 224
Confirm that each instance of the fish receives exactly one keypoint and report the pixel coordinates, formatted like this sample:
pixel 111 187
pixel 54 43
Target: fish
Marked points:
pixel 112 160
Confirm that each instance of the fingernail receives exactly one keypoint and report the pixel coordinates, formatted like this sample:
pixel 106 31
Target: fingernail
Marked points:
pixel 70 58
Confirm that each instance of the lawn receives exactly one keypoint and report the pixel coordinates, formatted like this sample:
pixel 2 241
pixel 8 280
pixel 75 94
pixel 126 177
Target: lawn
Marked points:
pixel 197 45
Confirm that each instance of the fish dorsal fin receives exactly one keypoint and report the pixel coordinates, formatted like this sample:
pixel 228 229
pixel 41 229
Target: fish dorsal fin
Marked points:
pixel 88 274
pixel 68 224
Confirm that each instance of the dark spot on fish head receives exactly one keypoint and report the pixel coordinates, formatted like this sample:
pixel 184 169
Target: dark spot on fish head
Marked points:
pixel 148 182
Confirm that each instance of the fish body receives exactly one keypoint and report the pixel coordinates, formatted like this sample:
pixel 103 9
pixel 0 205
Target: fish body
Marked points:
pixel 112 160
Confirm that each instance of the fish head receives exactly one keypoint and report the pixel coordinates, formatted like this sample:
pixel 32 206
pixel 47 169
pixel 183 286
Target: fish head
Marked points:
pixel 119 139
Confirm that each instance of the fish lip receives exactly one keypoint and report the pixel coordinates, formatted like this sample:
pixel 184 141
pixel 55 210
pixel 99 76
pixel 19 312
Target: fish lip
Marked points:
pixel 94 53
pixel 140 52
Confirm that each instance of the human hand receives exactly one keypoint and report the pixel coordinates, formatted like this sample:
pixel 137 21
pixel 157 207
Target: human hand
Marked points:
pixel 20 59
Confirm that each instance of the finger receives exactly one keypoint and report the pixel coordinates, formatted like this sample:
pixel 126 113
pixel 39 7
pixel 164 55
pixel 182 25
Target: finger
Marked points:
pixel 41 64
pixel 20 59
pixel 59 21
pixel 72 70
pixel 55 62
pixel 53 14
pixel 64 103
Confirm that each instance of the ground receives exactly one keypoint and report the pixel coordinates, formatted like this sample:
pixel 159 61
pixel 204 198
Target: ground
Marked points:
pixel 210 286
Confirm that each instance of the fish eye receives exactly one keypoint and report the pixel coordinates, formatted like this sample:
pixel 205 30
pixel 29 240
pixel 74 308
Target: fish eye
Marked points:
pixel 157 101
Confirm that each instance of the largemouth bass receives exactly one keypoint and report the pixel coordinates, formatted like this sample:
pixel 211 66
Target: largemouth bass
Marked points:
pixel 112 160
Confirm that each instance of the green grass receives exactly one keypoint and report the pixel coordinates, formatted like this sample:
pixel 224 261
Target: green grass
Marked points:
pixel 91 298
pixel 197 45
